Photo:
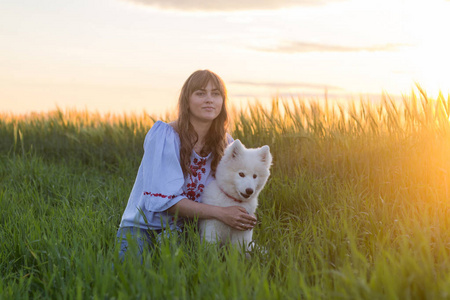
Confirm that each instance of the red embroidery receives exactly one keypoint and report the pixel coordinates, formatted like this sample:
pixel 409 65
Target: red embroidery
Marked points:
pixel 160 195
pixel 194 189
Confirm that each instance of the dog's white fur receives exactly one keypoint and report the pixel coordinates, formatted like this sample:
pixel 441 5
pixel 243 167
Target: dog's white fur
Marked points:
pixel 241 174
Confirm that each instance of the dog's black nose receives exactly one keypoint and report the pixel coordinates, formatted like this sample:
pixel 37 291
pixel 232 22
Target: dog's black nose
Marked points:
pixel 249 191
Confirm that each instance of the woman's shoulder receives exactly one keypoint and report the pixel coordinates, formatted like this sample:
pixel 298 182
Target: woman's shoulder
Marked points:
pixel 163 126
pixel 162 130
pixel 229 139
pixel 174 125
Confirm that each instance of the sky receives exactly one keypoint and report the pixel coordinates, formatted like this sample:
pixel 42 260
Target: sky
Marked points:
pixel 134 55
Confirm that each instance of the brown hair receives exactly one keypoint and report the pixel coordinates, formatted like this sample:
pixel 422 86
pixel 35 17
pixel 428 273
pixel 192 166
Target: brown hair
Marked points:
pixel 216 139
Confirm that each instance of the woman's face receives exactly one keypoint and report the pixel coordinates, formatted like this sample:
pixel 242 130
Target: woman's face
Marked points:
pixel 205 104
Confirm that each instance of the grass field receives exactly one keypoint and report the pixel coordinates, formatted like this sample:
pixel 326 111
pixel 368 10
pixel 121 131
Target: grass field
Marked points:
pixel 357 207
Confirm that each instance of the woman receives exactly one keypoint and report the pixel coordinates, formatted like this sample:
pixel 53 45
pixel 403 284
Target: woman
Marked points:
pixel 179 160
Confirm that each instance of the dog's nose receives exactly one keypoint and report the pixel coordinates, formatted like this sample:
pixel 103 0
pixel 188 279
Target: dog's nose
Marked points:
pixel 249 191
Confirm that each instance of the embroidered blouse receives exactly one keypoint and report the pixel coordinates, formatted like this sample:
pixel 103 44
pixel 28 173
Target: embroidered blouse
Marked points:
pixel 160 182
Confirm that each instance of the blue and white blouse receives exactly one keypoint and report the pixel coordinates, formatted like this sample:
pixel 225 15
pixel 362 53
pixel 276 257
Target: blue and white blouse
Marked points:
pixel 160 182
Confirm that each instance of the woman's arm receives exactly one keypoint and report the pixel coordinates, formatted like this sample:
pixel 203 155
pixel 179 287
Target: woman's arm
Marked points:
pixel 234 216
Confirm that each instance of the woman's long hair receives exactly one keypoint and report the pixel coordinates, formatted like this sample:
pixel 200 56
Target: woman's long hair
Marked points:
pixel 216 138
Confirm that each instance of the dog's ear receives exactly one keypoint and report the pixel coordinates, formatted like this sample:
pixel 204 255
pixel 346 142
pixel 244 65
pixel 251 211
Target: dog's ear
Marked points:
pixel 264 154
pixel 236 148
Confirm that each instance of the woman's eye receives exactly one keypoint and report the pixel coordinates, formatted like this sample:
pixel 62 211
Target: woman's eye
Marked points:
pixel 254 175
pixel 241 174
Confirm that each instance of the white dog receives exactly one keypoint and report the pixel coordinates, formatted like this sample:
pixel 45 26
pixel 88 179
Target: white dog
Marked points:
pixel 240 176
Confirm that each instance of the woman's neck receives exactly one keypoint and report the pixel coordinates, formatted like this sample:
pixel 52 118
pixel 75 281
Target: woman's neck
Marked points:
pixel 202 130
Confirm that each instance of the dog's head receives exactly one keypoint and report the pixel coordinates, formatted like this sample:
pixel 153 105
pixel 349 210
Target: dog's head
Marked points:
pixel 242 172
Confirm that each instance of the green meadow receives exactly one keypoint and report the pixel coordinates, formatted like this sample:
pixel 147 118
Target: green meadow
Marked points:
pixel 357 206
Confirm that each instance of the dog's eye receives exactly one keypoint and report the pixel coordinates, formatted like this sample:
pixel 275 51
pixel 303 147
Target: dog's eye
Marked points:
pixel 254 175
pixel 241 174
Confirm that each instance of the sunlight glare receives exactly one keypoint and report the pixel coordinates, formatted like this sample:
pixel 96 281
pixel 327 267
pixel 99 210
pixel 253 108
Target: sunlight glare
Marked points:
pixel 429 58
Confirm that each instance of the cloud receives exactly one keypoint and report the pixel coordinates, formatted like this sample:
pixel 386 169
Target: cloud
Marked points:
pixel 303 47
pixel 287 85
pixel 228 5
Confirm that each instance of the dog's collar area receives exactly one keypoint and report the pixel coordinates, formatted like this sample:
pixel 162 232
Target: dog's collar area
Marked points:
pixel 226 194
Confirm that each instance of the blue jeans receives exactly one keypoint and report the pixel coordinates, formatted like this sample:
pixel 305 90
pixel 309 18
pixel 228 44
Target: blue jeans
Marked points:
pixel 145 239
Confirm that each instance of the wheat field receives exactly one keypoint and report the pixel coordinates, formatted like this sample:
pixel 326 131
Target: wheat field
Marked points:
pixel 357 206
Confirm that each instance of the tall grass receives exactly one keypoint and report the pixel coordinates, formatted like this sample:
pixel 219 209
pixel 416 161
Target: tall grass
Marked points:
pixel 357 206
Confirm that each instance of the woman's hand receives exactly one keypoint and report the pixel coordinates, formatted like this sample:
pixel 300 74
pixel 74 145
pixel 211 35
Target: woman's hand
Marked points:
pixel 236 217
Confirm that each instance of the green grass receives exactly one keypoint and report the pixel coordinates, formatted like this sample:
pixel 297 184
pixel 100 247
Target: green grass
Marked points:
pixel 357 207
